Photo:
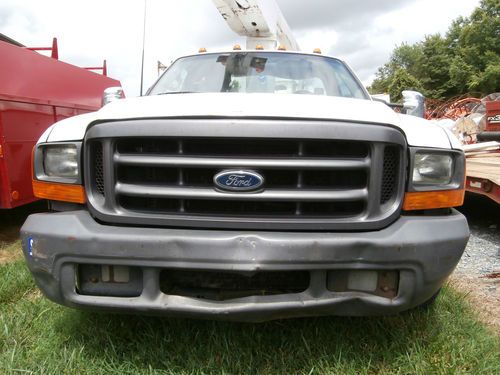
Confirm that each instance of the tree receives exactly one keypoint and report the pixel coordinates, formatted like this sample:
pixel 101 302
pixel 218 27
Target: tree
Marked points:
pixel 479 46
pixel 460 75
pixel 466 59
pixel 402 80
pixel 487 81
pixel 407 57
pixel 434 70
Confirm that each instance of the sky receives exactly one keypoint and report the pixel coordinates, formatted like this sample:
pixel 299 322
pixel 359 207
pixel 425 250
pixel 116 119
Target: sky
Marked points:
pixel 361 32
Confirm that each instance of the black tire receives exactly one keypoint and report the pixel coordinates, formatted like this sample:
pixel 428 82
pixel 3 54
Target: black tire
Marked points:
pixel 488 136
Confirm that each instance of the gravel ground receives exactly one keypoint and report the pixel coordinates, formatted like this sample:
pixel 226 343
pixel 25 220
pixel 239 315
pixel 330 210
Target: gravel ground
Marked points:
pixel 482 255
pixel 478 273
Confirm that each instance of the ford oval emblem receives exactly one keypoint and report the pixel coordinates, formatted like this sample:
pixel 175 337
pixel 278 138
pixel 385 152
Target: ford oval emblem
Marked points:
pixel 238 180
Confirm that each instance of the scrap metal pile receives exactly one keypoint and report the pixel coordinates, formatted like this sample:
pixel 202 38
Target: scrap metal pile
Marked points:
pixel 476 123
pixel 467 117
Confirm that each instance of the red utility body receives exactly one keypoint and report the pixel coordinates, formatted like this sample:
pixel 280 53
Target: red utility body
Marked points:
pixel 493 116
pixel 35 92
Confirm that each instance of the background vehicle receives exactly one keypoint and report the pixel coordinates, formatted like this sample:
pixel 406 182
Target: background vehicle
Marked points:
pixel 35 92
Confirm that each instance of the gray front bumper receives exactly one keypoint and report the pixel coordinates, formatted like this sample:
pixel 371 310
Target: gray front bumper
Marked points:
pixel 425 250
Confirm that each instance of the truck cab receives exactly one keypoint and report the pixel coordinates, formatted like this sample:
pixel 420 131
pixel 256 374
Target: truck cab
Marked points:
pixel 247 185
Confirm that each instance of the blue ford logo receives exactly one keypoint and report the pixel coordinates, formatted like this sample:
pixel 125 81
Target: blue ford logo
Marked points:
pixel 238 180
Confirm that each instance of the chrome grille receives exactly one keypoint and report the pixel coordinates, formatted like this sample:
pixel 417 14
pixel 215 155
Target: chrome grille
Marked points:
pixel 310 184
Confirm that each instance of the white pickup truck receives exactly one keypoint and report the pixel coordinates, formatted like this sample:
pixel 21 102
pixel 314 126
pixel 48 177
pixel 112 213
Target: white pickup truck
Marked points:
pixel 247 185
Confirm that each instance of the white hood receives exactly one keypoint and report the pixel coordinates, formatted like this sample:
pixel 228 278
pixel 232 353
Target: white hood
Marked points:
pixel 418 132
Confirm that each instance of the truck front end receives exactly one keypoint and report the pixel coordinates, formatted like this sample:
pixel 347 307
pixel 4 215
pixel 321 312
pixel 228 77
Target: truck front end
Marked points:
pixel 246 204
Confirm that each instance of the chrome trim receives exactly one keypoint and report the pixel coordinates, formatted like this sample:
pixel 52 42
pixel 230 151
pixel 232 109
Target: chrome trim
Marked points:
pixel 265 195
pixel 111 94
pixel 284 163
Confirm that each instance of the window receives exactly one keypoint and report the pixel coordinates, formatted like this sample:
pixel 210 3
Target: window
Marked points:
pixel 259 72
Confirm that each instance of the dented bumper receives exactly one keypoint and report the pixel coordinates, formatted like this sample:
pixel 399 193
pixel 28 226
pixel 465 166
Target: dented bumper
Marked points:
pixel 422 250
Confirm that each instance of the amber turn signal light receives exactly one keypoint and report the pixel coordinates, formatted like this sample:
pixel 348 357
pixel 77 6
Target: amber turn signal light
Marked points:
pixel 427 200
pixel 59 192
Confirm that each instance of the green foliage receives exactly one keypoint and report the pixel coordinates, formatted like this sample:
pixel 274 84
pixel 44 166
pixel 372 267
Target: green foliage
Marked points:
pixel 39 337
pixel 402 80
pixel 405 57
pixel 466 59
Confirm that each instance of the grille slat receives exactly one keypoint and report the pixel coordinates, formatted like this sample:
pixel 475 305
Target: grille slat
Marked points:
pixel 310 184
pixel 266 195
pixel 283 163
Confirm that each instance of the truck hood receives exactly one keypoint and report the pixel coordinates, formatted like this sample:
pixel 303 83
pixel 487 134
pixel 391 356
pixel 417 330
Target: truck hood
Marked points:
pixel 418 132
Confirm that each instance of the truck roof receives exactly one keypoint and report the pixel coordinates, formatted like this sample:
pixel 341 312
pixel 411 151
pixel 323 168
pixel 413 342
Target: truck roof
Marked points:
pixel 243 50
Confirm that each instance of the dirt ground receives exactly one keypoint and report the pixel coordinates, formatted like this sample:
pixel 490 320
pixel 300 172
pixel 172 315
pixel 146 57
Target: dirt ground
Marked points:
pixel 9 255
pixel 486 304
pixel 10 223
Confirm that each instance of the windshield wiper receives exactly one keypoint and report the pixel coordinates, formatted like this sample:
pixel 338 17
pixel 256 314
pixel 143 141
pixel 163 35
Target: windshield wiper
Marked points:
pixel 177 92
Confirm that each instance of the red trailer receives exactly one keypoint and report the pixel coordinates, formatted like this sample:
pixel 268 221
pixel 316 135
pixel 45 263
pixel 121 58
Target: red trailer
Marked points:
pixel 35 92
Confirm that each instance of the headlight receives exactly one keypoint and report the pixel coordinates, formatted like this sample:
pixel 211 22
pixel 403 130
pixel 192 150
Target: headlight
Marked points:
pixel 58 162
pixel 436 180
pixel 435 169
pixel 61 161
pixel 432 169
pixel 57 175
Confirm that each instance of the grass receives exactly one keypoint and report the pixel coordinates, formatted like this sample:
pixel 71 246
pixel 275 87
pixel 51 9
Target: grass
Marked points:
pixel 37 336
pixel 9 252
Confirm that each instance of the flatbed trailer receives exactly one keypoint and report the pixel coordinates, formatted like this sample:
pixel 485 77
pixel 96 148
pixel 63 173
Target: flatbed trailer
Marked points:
pixel 483 176
pixel 483 169
pixel 35 92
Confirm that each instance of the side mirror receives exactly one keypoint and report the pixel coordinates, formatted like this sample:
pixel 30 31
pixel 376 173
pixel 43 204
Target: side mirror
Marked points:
pixel 384 98
pixel 413 103
pixel 111 94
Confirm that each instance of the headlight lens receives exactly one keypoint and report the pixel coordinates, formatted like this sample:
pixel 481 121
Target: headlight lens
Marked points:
pixel 61 161
pixel 432 169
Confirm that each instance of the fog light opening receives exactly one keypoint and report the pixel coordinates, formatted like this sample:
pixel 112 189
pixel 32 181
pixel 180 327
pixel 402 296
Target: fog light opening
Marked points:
pixel 115 274
pixel 379 283
pixel 109 280
pixel 363 281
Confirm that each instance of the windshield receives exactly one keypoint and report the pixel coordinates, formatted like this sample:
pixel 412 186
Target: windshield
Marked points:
pixel 259 72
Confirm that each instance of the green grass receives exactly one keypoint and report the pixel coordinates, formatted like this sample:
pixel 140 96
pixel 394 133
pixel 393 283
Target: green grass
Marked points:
pixel 37 336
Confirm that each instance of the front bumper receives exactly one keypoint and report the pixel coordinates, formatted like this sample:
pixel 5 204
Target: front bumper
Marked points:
pixel 423 249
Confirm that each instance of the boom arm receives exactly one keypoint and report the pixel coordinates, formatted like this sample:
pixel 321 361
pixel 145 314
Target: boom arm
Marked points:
pixel 261 21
